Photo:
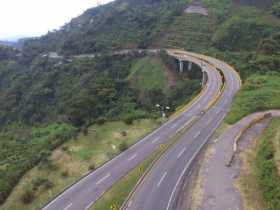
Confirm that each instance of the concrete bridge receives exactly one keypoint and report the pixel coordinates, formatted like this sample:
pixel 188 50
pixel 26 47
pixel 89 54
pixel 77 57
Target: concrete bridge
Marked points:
pixel 182 59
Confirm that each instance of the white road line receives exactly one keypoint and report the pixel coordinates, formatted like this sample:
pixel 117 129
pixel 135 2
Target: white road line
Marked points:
pixel 129 204
pixel 132 157
pixel 103 179
pixel 173 126
pixel 162 178
pixel 196 135
pixel 181 153
pixel 155 140
pixel 68 207
pixel 208 122
pixel 89 205
pixel 188 164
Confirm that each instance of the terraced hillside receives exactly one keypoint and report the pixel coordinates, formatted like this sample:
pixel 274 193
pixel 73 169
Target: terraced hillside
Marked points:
pixel 189 31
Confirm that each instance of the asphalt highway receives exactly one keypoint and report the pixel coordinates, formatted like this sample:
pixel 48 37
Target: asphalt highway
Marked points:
pixel 83 194
pixel 160 190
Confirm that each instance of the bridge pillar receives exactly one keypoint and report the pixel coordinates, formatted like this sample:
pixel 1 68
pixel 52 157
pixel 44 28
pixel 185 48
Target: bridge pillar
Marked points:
pixel 181 64
pixel 204 78
pixel 190 66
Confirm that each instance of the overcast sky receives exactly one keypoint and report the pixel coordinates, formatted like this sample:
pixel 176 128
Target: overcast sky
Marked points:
pixel 36 17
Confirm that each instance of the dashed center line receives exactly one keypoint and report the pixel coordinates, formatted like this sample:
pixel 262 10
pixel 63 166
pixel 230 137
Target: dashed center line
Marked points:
pixel 132 157
pixel 68 207
pixel 162 178
pixel 181 153
pixel 155 140
pixel 209 121
pixel 196 135
pixel 173 126
pixel 178 130
pixel 103 179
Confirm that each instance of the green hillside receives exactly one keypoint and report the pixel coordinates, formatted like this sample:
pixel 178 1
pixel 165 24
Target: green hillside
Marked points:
pixel 147 74
pixel 44 102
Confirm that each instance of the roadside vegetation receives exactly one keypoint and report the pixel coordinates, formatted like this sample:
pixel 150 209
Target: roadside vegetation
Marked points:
pixel 46 103
pixel 115 197
pixel 267 165
pixel 73 160
pixel 259 93
pixel 259 180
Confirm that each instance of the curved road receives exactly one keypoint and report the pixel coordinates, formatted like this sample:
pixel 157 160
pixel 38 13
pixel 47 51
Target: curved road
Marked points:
pixel 85 192
pixel 161 186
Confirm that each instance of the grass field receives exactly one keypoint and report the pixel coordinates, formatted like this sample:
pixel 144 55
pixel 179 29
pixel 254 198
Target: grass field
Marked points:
pixel 74 159
pixel 260 92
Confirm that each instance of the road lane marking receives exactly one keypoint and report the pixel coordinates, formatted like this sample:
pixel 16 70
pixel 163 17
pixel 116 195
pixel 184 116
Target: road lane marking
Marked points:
pixel 68 207
pixel 89 205
pixel 162 178
pixel 155 140
pixel 173 126
pixel 181 153
pixel 208 122
pixel 132 157
pixel 103 179
pixel 129 204
pixel 189 163
pixel 196 135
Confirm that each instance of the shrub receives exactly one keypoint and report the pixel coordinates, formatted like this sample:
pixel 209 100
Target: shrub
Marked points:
pixel 65 148
pixel 65 173
pixel 27 197
pixel 49 165
pixel 38 182
pixel 101 121
pixel 124 133
pixel 123 146
pixel 84 131
pixel 276 9
pixel 91 167
pixel 128 121
pixel 48 185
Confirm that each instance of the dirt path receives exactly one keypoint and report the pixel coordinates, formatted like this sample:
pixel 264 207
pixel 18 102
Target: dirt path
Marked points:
pixel 215 188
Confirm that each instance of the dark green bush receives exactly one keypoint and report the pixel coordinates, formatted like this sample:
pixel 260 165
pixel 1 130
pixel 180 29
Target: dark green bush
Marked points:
pixel 123 146
pixel 91 167
pixel 27 197
pixel 65 174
